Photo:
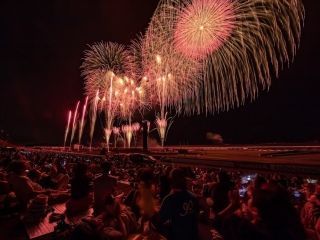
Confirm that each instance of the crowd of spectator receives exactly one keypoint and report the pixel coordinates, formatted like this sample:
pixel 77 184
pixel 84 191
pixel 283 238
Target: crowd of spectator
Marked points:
pixel 163 201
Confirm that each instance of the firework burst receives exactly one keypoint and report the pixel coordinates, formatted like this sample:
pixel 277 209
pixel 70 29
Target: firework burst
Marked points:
pixel 240 44
pixel 203 26
pixel 101 59
pixel 168 77
pixel 109 68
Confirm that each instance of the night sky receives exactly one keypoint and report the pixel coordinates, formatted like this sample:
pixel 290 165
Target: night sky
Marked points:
pixel 42 43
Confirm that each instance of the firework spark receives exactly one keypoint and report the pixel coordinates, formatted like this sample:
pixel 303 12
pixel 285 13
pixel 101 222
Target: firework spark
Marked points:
pixel 135 129
pixel 93 116
pixel 148 126
pixel 163 125
pixel 128 133
pixel 110 108
pixel 131 97
pixel 74 123
pixel 107 136
pixel 116 134
pixel 82 122
pixel 67 129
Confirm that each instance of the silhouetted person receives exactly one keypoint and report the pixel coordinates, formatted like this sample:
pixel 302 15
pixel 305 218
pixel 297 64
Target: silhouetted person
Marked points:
pixel 24 188
pixel 179 210
pixel 103 186
pixel 164 184
pixel 80 190
pixel 277 216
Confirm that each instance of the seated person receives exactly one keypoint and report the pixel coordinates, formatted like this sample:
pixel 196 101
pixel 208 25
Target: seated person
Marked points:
pixel 103 186
pixel 81 199
pixel 59 176
pixel 111 224
pixel 8 201
pixel 34 175
pixel 24 188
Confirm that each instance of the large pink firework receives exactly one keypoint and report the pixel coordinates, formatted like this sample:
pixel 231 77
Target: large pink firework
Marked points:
pixel 239 44
pixel 203 26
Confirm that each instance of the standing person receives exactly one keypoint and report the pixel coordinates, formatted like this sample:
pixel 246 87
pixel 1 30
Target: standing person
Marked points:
pixel 26 189
pixel 179 210
pixel 103 186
